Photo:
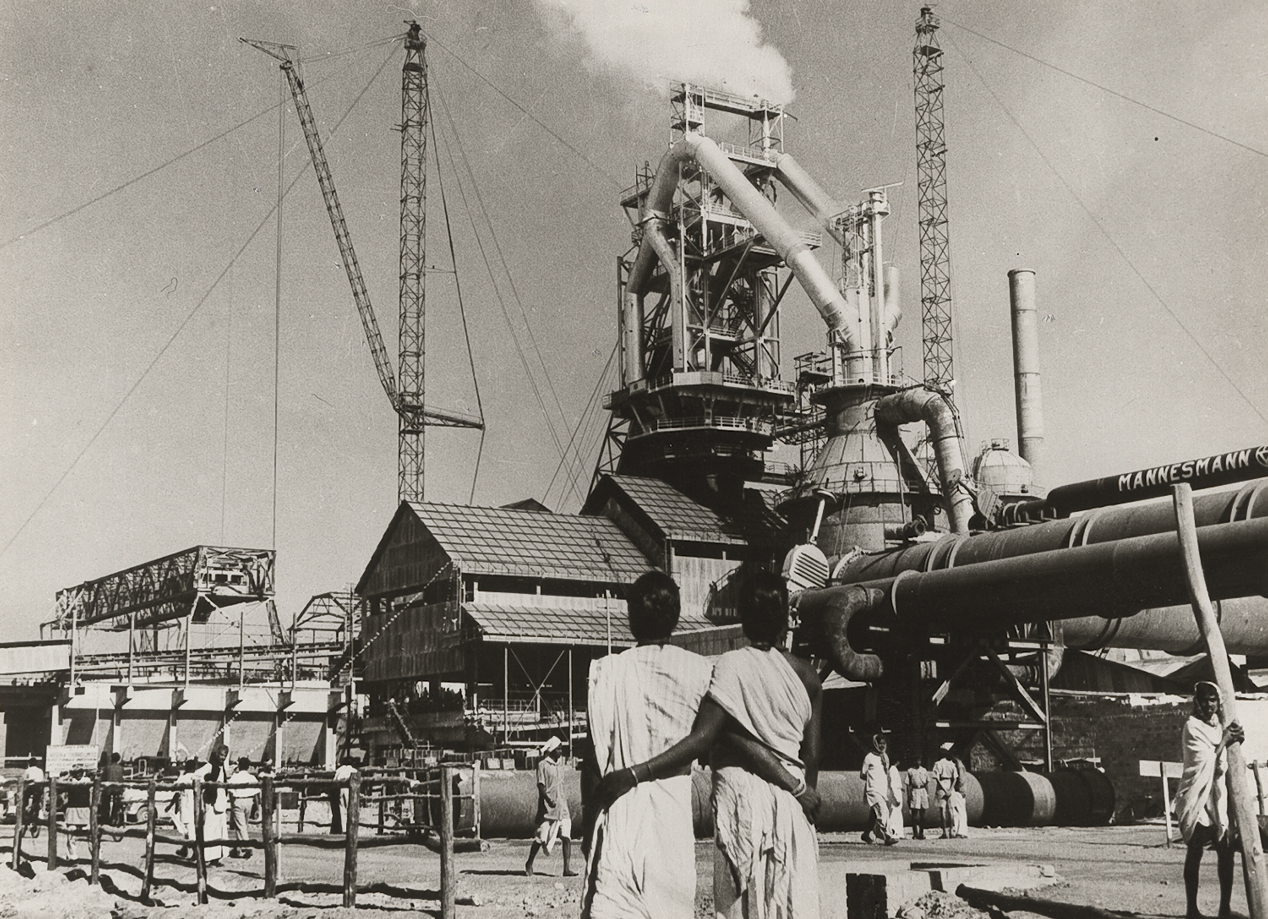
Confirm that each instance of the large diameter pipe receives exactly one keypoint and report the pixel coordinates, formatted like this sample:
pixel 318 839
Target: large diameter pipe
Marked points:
pixel 1098 526
pixel 811 194
pixel 760 212
pixel 1026 382
pixel 1208 472
pixel 1107 580
pixel 1243 623
pixel 830 611
pixel 932 408
pixel 508 801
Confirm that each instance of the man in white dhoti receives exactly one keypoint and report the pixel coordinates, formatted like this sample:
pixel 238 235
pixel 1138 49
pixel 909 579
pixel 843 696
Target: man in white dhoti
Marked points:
pixel 1202 800
pixel 760 718
pixel 875 776
pixel 641 855
pixel 216 802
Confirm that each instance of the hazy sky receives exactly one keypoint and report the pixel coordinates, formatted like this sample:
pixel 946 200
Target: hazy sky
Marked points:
pixel 118 448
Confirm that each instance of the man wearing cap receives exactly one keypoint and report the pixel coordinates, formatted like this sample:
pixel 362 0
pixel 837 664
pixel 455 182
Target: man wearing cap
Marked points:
pixel 1201 802
pixel 553 820
pixel 946 776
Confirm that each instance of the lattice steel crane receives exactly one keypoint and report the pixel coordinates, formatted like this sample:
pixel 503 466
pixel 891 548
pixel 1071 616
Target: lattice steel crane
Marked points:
pixel 408 398
pixel 931 174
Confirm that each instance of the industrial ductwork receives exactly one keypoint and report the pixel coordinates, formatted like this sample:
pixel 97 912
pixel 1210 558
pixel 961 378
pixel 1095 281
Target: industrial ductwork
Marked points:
pixel 1026 381
pixel 760 212
pixel 830 611
pixel 925 405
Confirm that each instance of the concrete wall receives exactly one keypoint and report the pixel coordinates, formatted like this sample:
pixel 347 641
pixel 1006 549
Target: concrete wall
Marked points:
pixel 257 721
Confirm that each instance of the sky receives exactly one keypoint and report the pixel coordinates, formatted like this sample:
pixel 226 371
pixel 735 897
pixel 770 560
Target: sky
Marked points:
pixel 1118 150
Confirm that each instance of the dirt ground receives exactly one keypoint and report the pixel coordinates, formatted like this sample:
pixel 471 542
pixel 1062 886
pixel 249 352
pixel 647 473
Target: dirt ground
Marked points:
pixel 1116 868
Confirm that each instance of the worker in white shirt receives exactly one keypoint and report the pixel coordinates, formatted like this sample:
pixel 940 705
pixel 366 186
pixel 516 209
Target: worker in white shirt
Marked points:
pixel 244 788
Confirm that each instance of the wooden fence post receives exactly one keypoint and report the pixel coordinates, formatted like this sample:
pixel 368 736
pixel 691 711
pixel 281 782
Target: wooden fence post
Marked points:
pixel 94 831
pixel 200 835
pixel 151 821
pixel 1244 814
pixel 52 824
pixel 268 834
pixel 17 823
pixel 446 843
pixel 351 824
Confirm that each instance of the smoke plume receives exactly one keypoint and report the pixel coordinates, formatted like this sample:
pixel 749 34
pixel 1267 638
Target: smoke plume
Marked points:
pixel 713 43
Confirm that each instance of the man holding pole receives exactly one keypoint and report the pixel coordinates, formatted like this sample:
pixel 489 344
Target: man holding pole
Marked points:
pixel 1202 801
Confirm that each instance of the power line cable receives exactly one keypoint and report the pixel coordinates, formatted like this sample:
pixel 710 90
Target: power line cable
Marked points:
pixel 1110 239
pixel 462 311
pixel 180 328
pixel 149 172
pixel 514 292
pixel 593 400
pixel 1106 89
pixel 531 117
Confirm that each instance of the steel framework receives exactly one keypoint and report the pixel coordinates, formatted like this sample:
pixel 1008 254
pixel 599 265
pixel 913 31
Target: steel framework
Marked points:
pixel 413 330
pixel 935 237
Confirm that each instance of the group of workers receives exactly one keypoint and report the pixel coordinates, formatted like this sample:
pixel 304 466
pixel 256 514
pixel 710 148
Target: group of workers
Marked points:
pixel 226 812
pixel 886 787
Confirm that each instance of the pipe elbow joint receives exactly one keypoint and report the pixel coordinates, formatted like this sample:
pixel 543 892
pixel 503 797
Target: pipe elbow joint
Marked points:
pixel 826 615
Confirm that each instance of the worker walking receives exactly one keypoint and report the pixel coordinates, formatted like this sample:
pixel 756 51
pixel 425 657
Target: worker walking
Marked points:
pixel 875 776
pixel 553 819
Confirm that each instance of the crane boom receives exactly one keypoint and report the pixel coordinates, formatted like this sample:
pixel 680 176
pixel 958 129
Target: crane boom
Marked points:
pixel 373 337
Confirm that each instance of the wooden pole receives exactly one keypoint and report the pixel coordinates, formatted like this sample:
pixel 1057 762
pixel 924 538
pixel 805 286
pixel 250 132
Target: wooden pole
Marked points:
pixel 52 824
pixel 1259 786
pixel 570 708
pixel 1243 811
pixel 446 844
pixel 200 836
pixel 351 823
pixel 1166 800
pixel 94 832
pixel 268 833
pixel 151 819
pixel 17 823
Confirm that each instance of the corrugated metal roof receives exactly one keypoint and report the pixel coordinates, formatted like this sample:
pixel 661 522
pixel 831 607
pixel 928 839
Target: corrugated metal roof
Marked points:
pixel 562 625
pixel 676 515
pixel 488 540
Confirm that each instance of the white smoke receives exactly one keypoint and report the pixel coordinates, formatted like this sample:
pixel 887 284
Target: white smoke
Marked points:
pixel 712 43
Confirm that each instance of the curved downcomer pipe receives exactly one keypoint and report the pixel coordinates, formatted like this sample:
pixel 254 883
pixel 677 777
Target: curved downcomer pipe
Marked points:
pixel 811 194
pixel 1098 526
pixel 826 210
pixel 760 212
pixel 831 610
pixel 930 407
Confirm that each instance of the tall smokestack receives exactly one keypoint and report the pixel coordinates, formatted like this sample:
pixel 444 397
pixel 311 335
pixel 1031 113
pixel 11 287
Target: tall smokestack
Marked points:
pixel 1029 396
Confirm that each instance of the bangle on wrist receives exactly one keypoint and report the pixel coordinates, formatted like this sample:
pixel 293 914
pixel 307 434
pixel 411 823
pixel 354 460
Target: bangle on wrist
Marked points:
pixel 634 772
pixel 800 788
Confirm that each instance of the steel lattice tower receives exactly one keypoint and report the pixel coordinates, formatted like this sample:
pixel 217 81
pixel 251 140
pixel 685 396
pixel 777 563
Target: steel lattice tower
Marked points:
pixel 931 171
pixel 413 334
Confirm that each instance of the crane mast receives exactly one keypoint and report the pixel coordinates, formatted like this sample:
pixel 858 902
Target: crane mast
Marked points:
pixel 413 331
pixel 935 238
pixel 408 398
